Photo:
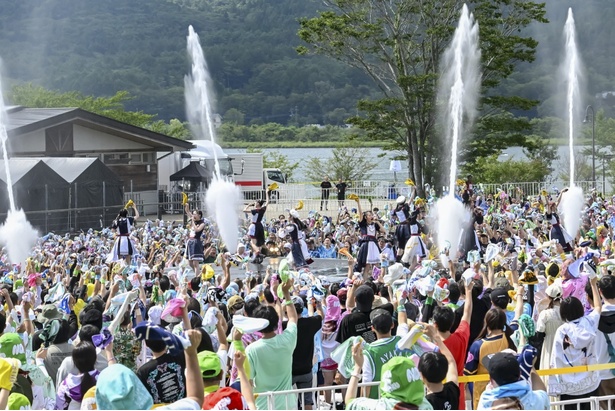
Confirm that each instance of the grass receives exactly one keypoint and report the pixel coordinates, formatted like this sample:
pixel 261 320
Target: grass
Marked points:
pixel 296 144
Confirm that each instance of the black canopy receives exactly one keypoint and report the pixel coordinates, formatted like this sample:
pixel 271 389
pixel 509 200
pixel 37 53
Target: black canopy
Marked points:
pixel 193 171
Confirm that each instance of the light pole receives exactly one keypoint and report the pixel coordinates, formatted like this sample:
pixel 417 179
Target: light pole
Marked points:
pixel 593 140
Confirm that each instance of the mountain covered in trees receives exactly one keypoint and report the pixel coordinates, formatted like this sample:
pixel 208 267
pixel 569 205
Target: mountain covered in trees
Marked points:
pixel 104 46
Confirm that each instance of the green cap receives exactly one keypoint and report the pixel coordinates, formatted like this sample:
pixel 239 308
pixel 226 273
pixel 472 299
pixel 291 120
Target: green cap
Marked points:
pixel 209 363
pixel 18 402
pixel 401 381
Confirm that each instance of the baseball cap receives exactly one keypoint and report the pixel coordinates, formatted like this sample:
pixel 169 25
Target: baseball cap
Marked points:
pixel 554 290
pixel 236 299
pixel 503 367
pixel 298 302
pixel 500 297
pixel 364 297
pixel 225 399
pixel 381 319
pixel 209 363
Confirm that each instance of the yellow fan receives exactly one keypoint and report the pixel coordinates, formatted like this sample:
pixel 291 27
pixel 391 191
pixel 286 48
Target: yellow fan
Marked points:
pixel 184 198
pixel 419 202
pixel 409 182
pixel 299 205
pixel 273 186
pixel 543 193
pixel 129 204
pixel 353 197
pixel 460 182
pixel 344 251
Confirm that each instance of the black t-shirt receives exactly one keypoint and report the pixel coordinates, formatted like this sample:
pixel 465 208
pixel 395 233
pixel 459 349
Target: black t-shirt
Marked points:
pixel 447 399
pixel 341 189
pixel 326 185
pixel 307 327
pixel 356 324
pixel 164 378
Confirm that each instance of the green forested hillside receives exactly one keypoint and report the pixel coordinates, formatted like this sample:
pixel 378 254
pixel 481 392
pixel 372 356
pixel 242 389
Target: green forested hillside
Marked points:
pixel 103 46
pixel 98 47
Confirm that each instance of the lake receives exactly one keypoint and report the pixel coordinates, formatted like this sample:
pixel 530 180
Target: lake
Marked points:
pixel 382 172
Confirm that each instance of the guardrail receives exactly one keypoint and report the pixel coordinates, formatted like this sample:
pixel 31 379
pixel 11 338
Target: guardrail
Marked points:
pixel 300 394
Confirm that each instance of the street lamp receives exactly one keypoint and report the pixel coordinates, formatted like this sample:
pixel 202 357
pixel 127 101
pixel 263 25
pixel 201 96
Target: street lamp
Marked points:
pixel 593 120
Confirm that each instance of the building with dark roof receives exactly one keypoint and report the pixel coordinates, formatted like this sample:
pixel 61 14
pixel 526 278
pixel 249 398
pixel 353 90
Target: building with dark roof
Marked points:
pixel 129 151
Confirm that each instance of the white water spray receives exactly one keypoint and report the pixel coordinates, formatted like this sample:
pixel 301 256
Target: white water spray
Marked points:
pixel 223 197
pixel 458 92
pixel 16 234
pixel 572 200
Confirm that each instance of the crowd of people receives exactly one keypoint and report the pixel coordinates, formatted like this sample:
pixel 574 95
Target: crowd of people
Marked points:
pixel 157 314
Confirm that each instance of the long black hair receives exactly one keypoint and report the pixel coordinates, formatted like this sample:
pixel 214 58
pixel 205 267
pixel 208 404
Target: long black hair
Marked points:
pixel 495 319
pixel 84 358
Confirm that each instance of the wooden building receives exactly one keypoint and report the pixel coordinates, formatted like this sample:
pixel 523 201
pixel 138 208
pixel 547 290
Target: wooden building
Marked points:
pixel 130 151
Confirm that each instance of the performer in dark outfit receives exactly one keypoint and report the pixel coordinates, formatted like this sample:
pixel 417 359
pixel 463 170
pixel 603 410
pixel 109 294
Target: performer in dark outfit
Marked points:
pixel 194 246
pixel 469 238
pixel 369 252
pixel 402 233
pixel 558 232
pixel 256 230
pixel 124 246
pixel 415 247
pixel 295 228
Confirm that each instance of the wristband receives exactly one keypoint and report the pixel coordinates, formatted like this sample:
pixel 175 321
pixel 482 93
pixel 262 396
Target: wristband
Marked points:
pixel 401 309
pixel 357 376
pixel 287 303
pixel 429 300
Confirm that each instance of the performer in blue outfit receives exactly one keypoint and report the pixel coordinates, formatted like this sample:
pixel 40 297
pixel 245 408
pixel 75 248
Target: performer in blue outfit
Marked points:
pixel 194 246
pixel 124 246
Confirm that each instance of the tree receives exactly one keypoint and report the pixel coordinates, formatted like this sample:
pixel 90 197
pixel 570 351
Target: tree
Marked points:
pixel 398 44
pixel 490 170
pixel 350 163
pixel 30 95
pixel 275 159
pixel 582 168
pixel 234 116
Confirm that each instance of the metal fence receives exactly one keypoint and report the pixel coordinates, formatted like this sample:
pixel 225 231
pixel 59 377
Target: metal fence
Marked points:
pixel 336 391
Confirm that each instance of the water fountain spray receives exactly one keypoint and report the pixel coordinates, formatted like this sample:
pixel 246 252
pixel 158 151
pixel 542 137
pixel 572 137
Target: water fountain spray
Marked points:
pixel 459 87
pixel 223 197
pixel 16 234
pixel 572 200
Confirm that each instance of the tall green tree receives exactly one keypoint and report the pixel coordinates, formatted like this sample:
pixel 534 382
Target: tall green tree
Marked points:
pixel 350 163
pixel 398 44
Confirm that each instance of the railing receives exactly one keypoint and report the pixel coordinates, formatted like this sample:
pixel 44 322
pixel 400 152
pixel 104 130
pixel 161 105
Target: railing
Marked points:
pixel 318 393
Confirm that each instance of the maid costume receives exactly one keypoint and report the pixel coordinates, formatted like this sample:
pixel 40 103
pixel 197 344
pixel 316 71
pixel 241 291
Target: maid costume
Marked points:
pixel 558 232
pixel 256 229
pixel 369 252
pixel 415 247
pixel 402 232
pixel 124 245
pixel 194 246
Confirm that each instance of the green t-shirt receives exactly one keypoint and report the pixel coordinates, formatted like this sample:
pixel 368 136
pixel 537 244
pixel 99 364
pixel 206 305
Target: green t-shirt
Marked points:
pixel 376 355
pixel 363 403
pixel 271 367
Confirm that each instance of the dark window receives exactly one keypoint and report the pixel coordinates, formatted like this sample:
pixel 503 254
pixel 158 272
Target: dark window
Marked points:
pixel 59 140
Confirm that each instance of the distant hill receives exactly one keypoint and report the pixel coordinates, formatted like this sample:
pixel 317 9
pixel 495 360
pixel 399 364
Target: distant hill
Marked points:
pixel 100 47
